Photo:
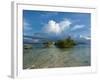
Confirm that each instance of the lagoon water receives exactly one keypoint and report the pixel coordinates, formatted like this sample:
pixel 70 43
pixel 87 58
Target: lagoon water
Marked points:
pixel 53 57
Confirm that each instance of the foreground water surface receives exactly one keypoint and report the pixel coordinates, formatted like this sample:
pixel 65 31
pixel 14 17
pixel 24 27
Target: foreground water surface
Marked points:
pixel 53 57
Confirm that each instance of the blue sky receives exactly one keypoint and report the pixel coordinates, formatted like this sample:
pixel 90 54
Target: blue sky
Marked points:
pixel 56 24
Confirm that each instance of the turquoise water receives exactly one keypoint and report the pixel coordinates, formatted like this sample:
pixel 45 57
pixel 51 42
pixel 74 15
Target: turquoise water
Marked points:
pixel 53 57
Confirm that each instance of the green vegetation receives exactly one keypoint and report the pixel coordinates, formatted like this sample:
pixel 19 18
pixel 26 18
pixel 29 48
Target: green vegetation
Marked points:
pixel 66 43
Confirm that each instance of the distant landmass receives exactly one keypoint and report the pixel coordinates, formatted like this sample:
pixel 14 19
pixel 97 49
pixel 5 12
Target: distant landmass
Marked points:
pixel 40 39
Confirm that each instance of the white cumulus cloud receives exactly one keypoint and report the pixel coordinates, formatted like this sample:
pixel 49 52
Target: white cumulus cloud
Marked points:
pixel 54 27
pixel 65 24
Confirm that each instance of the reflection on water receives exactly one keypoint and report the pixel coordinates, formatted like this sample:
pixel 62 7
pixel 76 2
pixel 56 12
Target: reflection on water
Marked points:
pixel 54 57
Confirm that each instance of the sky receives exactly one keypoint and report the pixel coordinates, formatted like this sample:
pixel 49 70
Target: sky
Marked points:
pixel 56 24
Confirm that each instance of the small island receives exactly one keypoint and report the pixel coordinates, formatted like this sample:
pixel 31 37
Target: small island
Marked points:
pixel 48 44
pixel 65 43
pixel 27 46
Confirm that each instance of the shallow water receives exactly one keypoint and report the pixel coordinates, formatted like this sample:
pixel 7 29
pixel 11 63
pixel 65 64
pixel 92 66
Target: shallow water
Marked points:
pixel 55 57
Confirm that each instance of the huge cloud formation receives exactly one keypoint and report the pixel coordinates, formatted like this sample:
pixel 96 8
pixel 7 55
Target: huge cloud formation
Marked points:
pixel 57 28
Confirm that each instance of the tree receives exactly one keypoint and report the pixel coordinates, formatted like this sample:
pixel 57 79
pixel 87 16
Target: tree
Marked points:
pixel 66 43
